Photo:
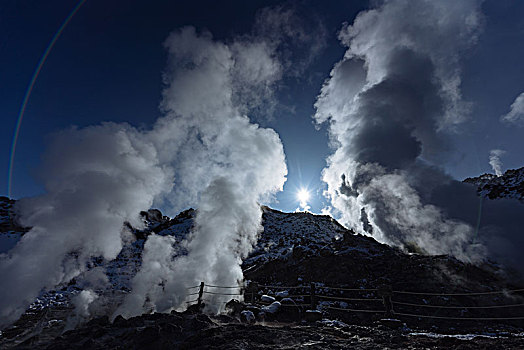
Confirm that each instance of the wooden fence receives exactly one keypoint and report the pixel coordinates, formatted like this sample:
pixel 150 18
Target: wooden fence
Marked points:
pixel 381 300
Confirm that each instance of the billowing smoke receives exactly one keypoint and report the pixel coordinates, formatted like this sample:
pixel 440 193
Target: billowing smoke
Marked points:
pixel 515 115
pixel 495 162
pixel 96 178
pixel 390 103
pixel 387 101
pixel 223 163
pixel 203 152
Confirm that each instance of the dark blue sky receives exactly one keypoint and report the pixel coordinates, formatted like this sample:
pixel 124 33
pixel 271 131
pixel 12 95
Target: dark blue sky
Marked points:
pixel 107 66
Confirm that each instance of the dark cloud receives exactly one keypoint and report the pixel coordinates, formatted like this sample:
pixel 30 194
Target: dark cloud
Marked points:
pixel 299 34
pixel 399 114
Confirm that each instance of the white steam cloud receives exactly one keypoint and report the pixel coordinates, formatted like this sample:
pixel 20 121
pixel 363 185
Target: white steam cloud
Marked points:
pixel 224 164
pixel 495 162
pixel 515 115
pixel 388 103
pixel 96 178
pixel 202 152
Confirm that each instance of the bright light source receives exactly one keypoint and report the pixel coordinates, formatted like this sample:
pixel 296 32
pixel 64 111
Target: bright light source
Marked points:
pixel 303 195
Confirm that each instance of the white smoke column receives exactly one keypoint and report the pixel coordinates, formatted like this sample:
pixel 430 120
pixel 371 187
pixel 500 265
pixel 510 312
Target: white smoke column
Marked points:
pixel 388 103
pixel 223 164
pixel 82 302
pixel 495 162
pixel 96 179
pixel 99 177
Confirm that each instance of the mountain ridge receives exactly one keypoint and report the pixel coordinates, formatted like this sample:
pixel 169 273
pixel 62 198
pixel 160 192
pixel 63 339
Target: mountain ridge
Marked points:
pixel 508 185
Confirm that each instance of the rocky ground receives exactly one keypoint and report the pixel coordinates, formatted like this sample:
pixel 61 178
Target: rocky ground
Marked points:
pixel 198 331
pixel 509 185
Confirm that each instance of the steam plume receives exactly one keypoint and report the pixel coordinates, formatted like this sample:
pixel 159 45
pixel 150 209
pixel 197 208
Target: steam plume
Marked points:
pixel 223 163
pixel 202 152
pixel 389 103
pixel 495 162
pixel 96 178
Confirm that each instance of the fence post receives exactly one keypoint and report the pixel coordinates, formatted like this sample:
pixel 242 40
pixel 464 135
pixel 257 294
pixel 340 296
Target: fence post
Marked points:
pixel 312 296
pixel 385 291
pixel 200 293
pixel 254 290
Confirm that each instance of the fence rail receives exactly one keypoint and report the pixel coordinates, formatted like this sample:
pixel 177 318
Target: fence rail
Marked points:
pixel 354 310
pixel 222 293
pixel 462 318
pixel 223 287
pixel 457 307
pixel 461 294
pixel 347 299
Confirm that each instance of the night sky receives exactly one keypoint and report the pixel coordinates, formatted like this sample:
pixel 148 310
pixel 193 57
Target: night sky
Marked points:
pixel 107 66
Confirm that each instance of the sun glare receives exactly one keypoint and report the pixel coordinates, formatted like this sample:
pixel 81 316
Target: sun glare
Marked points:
pixel 303 195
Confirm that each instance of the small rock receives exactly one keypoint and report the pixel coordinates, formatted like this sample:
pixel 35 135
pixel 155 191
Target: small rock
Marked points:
pixel 234 307
pixel 287 301
pixel 392 323
pixel 247 317
pixel 282 294
pixel 254 309
pixel 299 252
pixel 267 299
pixel 313 315
pixel 273 308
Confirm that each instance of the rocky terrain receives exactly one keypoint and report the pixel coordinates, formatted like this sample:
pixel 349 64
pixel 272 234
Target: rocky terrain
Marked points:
pixel 509 185
pixel 199 331
pixel 10 231
pixel 310 283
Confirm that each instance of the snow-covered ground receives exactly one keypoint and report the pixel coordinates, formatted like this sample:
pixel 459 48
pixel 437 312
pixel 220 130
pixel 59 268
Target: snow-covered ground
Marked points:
pixel 509 185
